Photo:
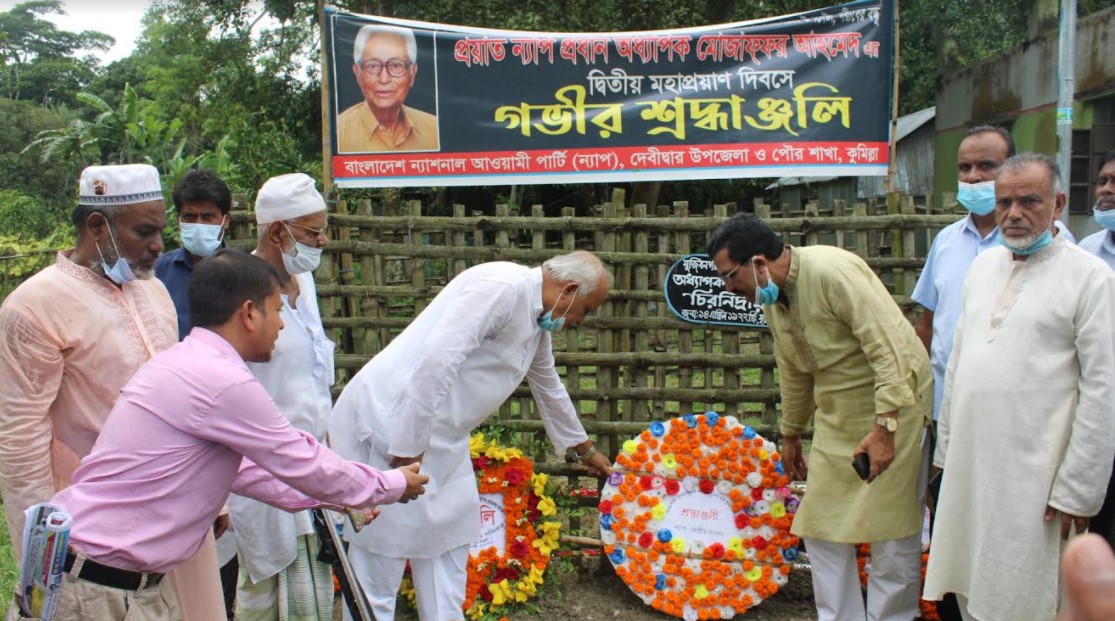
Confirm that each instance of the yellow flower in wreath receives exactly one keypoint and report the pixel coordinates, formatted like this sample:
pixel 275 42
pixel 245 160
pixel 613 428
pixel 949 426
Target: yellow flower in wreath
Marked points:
pixel 547 507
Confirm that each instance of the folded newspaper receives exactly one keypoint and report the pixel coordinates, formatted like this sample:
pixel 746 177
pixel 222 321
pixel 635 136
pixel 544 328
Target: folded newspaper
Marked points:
pixel 46 538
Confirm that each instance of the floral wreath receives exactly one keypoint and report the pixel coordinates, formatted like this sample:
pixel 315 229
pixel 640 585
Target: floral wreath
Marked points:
pixel 494 580
pixel 680 458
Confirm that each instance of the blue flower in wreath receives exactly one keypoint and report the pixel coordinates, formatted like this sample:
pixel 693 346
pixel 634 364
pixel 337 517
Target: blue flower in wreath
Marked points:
pixel 657 429
pixel 606 521
pixel 664 535
pixel 617 557
pixel 712 418
pixel 749 432
pixel 790 554
pixel 778 467
pixel 660 582
pixel 690 420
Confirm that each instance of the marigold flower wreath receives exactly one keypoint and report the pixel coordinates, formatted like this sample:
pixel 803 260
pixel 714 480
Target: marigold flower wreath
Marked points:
pixel 696 517
pixel 495 580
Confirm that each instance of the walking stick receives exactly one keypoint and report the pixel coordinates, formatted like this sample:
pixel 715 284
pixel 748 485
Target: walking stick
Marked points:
pixel 333 552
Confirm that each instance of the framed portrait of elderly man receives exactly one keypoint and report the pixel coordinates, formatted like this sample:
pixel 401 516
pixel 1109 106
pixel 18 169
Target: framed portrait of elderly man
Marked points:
pixel 386 98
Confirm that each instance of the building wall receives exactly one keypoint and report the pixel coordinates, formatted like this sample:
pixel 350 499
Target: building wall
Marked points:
pixel 1019 90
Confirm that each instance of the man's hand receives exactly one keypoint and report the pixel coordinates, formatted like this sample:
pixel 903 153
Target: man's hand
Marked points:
pixel 793 461
pixel 1067 521
pixel 361 517
pixel 220 525
pixel 415 482
pixel 879 446
pixel 599 465
pixel 399 462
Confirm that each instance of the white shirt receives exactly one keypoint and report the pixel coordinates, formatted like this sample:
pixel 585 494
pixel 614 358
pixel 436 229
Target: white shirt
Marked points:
pixel 459 360
pixel 298 378
pixel 1102 245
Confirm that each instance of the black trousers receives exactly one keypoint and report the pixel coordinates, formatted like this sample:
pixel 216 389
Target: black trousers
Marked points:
pixel 1104 521
pixel 229 575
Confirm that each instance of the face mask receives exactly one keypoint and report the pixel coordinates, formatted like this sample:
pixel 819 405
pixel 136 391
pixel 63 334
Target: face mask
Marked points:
pixel 1042 241
pixel 1106 219
pixel 547 321
pixel 121 272
pixel 305 258
pixel 202 240
pixel 764 295
pixel 978 198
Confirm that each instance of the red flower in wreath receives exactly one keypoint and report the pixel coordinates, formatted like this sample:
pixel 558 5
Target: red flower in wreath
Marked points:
pixel 742 521
pixel 514 476
pixel 645 483
pixel 716 550
pixel 606 507
pixel 520 550
pixel 707 486
pixel 672 487
pixel 646 540
pixel 757 493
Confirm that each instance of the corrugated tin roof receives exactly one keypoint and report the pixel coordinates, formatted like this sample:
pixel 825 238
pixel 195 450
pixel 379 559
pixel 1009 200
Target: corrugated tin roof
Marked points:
pixel 906 125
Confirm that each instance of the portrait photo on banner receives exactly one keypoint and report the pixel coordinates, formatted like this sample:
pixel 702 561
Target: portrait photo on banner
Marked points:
pixel 385 89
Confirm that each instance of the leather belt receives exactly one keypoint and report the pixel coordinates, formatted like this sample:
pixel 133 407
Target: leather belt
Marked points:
pixel 111 576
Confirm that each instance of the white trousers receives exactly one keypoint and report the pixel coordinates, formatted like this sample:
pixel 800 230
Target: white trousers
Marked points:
pixel 892 586
pixel 439 583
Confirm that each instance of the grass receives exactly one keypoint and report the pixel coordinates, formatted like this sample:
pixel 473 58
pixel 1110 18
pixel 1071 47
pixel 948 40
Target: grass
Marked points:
pixel 9 570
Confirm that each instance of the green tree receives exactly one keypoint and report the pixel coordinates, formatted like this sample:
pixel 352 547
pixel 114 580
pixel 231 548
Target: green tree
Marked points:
pixel 42 63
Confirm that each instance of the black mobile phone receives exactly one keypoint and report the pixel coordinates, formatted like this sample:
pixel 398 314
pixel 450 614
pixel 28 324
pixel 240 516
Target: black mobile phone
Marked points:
pixel 862 464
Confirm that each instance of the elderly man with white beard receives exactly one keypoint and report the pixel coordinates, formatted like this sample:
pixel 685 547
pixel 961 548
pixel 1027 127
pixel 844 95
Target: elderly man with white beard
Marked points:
pixel 1027 430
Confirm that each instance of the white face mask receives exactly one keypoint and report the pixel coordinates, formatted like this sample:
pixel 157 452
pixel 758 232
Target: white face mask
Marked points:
pixel 202 240
pixel 303 259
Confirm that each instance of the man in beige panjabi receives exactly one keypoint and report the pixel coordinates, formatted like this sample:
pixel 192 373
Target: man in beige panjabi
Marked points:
pixel 71 336
pixel 851 361
pixel 385 66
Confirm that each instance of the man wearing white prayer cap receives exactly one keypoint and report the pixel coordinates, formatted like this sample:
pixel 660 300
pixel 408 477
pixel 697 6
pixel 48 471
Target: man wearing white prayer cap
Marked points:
pixel 280 576
pixel 72 335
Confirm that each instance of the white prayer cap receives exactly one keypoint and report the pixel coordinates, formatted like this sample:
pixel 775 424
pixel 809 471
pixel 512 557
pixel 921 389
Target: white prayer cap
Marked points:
pixel 287 197
pixel 126 184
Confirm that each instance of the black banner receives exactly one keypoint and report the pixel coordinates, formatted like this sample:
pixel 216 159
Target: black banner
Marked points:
pixel 695 293
pixel 414 103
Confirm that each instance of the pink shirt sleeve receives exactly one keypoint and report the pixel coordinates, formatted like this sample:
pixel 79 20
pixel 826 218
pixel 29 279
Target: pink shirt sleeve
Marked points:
pixel 31 366
pixel 245 419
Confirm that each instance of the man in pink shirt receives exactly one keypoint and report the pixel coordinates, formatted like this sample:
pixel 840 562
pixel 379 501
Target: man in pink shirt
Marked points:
pixel 192 425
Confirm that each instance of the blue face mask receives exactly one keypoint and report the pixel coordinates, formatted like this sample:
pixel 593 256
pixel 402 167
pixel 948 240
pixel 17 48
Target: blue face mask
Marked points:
pixel 1042 241
pixel 978 198
pixel 202 240
pixel 121 272
pixel 1106 219
pixel 765 295
pixel 547 321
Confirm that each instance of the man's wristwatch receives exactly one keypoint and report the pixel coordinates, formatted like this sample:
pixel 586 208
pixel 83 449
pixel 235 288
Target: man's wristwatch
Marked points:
pixel 572 455
pixel 890 423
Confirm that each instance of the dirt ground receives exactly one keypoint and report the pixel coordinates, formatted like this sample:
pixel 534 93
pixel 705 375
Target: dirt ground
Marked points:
pixel 588 594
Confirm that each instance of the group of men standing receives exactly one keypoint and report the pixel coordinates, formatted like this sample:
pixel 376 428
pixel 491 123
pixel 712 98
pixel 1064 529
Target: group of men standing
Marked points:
pixel 1011 369
pixel 1017 323
pixel 164 432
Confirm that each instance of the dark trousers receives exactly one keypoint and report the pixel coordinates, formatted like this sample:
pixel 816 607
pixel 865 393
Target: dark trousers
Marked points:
pixel 948 608
pixel 1103 522
pixel 228 585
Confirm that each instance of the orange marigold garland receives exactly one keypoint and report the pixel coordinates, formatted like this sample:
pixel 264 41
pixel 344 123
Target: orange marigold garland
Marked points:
pixel 696 517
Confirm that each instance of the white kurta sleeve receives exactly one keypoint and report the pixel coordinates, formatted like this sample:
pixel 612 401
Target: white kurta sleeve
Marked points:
pixel 559 417
pixel 480 309
pixel 1081 480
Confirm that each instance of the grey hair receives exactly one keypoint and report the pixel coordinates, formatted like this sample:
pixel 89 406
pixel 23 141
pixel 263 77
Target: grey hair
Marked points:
pixel 372 30
pixel 1016 163
pixel 582 268
pixel 81 213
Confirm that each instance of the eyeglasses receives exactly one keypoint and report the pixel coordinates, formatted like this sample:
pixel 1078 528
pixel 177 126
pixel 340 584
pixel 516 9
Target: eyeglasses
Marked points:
pixel 395 68
pixel 315 232
pixel 728 277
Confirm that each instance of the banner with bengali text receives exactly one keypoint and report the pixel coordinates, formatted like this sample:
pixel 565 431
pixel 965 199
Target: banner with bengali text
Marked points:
pixel 421 104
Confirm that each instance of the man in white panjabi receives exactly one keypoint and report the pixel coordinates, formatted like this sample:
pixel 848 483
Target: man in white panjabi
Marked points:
pixel 280 576
pixel 422 396
pixel 1027 424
